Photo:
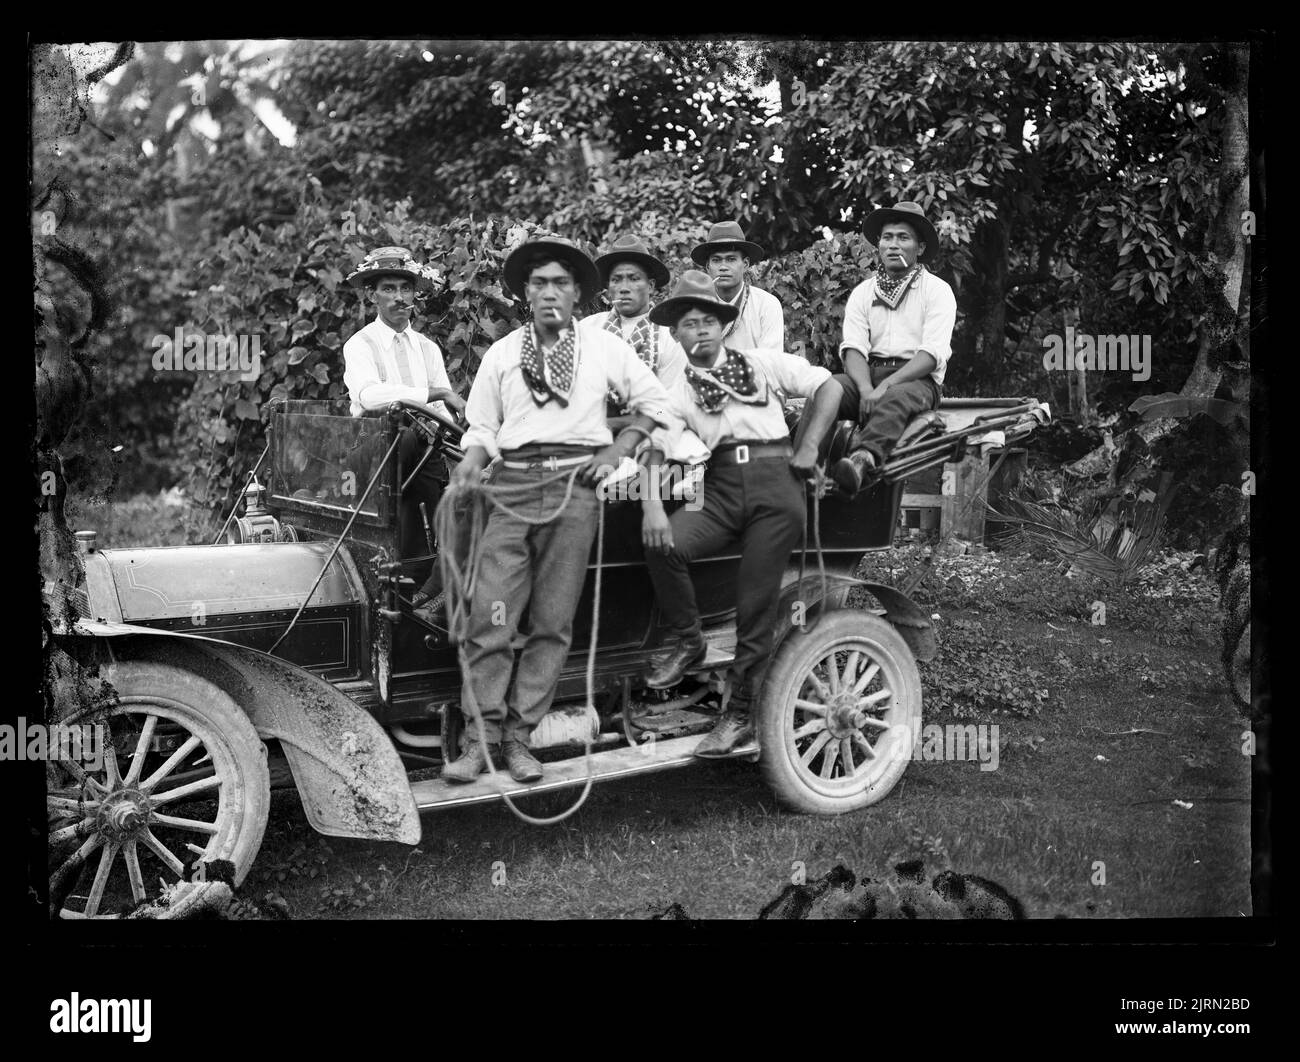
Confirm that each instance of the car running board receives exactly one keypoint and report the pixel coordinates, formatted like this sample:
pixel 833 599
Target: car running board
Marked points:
pixel 625 762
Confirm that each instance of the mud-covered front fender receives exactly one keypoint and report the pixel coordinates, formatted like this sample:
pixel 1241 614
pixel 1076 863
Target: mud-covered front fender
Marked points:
pixel 911 621
pixel 349 775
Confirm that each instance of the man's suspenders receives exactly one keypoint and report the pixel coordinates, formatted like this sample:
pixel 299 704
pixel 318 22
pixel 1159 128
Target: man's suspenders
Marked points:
pixel 379 361
pixel 375 356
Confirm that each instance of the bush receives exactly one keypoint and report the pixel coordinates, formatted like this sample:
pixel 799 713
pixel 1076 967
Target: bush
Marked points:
pixel 814 285
pixel 287 285
pixel 976 675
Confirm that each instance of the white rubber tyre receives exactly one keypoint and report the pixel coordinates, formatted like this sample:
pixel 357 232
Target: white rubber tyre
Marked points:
pixel 840 709
pixel 173 739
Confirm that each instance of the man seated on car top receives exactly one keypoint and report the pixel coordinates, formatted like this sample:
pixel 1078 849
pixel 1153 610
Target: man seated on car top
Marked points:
pixel 389 361
pixel 897 341
pixel 538 400
pixel 753 492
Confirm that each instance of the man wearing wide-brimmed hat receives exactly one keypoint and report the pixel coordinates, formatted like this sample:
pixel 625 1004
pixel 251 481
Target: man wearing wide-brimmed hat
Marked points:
pixel 726 256
pixel 538 400
pixel 897 340
pixel 753 491
pixel 630 276
pixel 389 361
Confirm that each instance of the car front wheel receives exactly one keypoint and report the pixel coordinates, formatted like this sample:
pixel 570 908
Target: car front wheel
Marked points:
pixel 178 776
pixel 840 710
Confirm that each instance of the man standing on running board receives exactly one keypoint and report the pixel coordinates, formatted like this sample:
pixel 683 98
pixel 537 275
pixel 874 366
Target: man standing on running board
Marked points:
pixel 538 400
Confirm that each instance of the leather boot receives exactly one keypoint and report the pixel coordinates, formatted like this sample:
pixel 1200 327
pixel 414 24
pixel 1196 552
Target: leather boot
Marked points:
pixel 733 730
pixel 430 610
pixel 471 764
pixel 679 659
pixel 520 762
pixel 849 472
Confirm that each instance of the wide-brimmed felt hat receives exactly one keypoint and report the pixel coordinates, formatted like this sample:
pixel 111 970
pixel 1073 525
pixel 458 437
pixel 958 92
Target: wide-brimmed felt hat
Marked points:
pixel 693 289
pixel 910 213
pixel 389 261
pixel 631 249
pixel 565 251
pixel 726 236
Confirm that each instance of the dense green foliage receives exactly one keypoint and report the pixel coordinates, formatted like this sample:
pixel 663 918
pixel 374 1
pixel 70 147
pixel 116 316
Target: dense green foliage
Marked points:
pixel 1065 180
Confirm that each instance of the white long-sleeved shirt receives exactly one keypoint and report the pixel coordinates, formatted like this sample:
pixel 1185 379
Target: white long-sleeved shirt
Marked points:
pixel 371 374
pixel 774 370
pixel 503 416
pixel 761 324
pixel 922 322
pixel 672 359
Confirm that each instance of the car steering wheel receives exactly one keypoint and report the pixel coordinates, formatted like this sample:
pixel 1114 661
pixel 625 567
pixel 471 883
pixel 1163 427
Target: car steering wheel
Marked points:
pixel 445 426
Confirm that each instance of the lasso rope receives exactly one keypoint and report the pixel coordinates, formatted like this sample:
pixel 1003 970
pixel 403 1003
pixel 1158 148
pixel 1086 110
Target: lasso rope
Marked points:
pixel 460 536
pixel 817 484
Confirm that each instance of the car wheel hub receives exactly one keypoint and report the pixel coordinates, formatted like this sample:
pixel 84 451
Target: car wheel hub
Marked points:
pixel 124 814
pixel 843 716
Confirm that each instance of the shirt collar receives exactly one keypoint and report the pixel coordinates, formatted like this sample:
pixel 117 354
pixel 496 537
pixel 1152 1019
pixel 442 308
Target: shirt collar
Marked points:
pixel 537 338
pixel 387 334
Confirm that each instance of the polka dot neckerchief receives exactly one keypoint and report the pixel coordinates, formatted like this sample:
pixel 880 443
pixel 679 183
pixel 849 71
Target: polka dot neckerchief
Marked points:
pixel 560 363
pixel 734 378
pixel 645 341
pixel 890 290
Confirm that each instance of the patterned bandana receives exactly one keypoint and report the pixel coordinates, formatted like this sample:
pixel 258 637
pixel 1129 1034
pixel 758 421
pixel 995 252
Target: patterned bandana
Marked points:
pixel 645 338
pixel 744 298
pixel 560 362
pixel 714 388
pixel 645 341
pixel 890 290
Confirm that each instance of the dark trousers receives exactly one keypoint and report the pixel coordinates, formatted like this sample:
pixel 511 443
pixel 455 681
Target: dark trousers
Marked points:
pixel 760 505
pixel 427 488
pixel 540 566
pixel 901 403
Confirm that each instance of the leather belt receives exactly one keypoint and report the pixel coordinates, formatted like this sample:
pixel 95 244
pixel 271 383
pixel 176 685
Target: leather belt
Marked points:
pixel 743 453
pixel 550 464
pixel 880 359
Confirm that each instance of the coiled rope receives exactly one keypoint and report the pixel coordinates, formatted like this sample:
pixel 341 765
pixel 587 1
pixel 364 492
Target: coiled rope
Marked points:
pixel 459 521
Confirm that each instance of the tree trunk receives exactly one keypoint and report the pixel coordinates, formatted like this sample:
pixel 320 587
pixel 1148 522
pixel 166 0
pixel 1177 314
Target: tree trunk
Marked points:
pixel 1077 378
pixel 991 253
pixel 62 385
pixel 62 376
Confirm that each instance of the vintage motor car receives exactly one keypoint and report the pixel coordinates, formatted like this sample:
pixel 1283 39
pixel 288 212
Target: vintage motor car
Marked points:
pixel 288 653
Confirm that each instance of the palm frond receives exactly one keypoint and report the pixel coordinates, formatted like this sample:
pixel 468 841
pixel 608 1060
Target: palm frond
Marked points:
pixel 1111 541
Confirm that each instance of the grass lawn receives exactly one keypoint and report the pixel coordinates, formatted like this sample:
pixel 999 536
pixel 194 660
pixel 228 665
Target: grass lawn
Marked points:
pixel 1076 793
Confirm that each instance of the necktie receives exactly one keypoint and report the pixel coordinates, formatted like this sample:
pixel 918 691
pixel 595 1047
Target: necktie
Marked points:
pixel 402 352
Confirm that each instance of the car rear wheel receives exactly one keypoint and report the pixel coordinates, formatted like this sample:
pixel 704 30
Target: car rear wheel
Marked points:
pixel 840 709
pixel 180 778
